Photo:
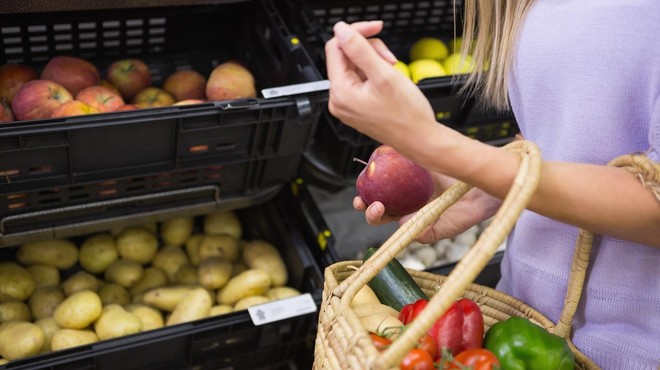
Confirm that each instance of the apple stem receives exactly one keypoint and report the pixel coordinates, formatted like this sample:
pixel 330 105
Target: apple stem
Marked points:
pixel 360 161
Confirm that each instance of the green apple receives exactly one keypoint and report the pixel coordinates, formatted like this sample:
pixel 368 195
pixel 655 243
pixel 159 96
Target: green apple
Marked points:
pixel 457 64
pixel 425 68
pixel 428 48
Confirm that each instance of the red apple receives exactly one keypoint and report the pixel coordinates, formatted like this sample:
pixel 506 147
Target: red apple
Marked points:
pixel 129 76
pixel 230 80
pixel 12 77
pixel 6 114
pixel 152 97
pixel 184 85
pixel 73 108
pixel 101 98
pixel 399 183
pixel 38 99
pixel 73 73
pixel 109 85
pixel 189 102
pixel 126 107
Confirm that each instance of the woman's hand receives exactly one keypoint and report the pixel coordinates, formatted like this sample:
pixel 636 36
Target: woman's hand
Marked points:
pixel 472 208
pixel 370 95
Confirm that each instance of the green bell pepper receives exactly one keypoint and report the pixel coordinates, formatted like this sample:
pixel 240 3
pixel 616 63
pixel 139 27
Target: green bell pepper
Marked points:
pixel 520 344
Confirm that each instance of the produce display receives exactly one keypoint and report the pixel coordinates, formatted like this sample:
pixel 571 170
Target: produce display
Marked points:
pixel 458 339
pixel 59 294
pixel 72 86
pixel 431 57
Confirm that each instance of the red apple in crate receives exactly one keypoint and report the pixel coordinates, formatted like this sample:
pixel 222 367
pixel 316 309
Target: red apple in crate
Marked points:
pixel 107 84
pixel 101 98
pixel 6 114
pixel 230 80
pixel 12 78
pixel 73 73
pixel 399 183
pixel 189 102
pixel 38 99
pixel 129 76
pixel 127 107
pixel 73 108
pixel 153 97
pixel 184 85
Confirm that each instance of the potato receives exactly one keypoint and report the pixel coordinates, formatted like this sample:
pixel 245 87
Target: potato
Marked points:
pixel 98 252
pixel 58 253
pixel 49 327
pixel 152 277
pixel 187 275
pixel 124 272
pixel 166 298
pixel 151 227
pixel 249 302
pixel 248 283
pixel 281 292
pixel 150 317
pixel 194 306
pixel 44 275
pixel 116 322
pixel 14 311
pixel 214 272
pixel 258 254
pixel 16 283
pixel 370 309
pixel 225 222
pixel 223 245
pixel 382 323
pixel 44 301
pixel 192 248
pixel 19 339
pixel 69 338
pixel 80 281
pixel 137 244
pixel 365 296
pixel 3 361
pixel 78 310
pixel 170 259
pixel 176 231
pixel 238 268
pixel 114 294
pixel 220 310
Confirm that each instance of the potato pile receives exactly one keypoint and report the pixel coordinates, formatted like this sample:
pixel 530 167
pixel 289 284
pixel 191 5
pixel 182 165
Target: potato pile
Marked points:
pixel 58 294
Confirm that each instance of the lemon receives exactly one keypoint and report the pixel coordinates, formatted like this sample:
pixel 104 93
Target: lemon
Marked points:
pixel 402 67
pixel 428 48
pixel 454 65
pixel 455 45
pixel 425 68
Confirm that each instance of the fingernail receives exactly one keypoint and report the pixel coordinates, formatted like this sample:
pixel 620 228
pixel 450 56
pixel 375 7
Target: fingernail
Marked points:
pixel 376 210
pixel 342 31
pixel 390 57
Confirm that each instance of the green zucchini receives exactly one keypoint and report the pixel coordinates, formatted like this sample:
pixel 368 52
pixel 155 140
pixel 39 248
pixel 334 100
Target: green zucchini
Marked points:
pixel 393 285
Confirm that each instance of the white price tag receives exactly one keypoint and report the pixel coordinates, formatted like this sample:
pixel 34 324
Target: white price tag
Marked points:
pixel 282 309
pixel 296 89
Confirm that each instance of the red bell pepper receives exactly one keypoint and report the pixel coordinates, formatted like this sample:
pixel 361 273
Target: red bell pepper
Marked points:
pixel 458 329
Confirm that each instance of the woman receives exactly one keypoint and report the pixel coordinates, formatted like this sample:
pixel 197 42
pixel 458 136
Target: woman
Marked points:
pixel 582 78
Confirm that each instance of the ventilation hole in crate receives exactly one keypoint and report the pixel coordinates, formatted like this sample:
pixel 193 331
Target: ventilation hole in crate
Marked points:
pixel 41 38
pixel 40 170
pixel 157 21
pixel 17 205
pixel 78 196
pixel 225 146
pixel 61 47
pixel 10 30
pixel 134 42
pixel 110 43
pixel 111 34
pixel 162 184
pixel 107 192
pixel 135 188
pixel 76 188
pixel 87 26
pixel 188 180
pixel 87 45
pixel 62 37
pixel 214 176
pixel 134 22
pixel 49 200
pixel 405 14
pixel 134 32
pixel 336 11
pixel 87 35
pixel 199 149
pixel 407 6
pixel 156 40
pixel 39 48
pixel 16 50
pixel 157 31
pixel 111 24
pixel 12 40
pixel 16 196
pixel 37 28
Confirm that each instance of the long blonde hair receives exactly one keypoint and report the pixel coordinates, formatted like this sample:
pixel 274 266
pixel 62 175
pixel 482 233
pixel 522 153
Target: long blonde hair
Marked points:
pixel 490 31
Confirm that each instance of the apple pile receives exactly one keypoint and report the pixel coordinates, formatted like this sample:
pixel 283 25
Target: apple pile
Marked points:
pixel 71 86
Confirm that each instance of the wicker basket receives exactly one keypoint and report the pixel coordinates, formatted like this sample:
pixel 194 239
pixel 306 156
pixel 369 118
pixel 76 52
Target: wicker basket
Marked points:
pixel 343 343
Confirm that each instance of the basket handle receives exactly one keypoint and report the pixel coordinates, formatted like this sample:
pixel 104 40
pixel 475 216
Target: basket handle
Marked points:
pixel 649 174
pixel 470 265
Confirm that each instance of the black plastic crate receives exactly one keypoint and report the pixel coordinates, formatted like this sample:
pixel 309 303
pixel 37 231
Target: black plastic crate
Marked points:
pixel 228 341
pixel 241 148
pixel 404 23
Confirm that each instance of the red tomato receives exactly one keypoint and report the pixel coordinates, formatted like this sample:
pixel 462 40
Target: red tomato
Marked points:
pixel 476 359
pixel 417 359
pixel 427 343
pixel 381 343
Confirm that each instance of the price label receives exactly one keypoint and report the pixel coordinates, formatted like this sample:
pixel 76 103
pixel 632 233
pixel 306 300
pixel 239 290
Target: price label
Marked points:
pixel 296 89
pixel 282 309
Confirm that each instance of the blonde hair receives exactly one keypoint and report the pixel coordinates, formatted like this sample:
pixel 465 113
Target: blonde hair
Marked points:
pixel 490 31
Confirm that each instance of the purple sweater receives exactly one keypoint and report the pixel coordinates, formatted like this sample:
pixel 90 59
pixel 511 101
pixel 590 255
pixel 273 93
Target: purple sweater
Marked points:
pixel 585 87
